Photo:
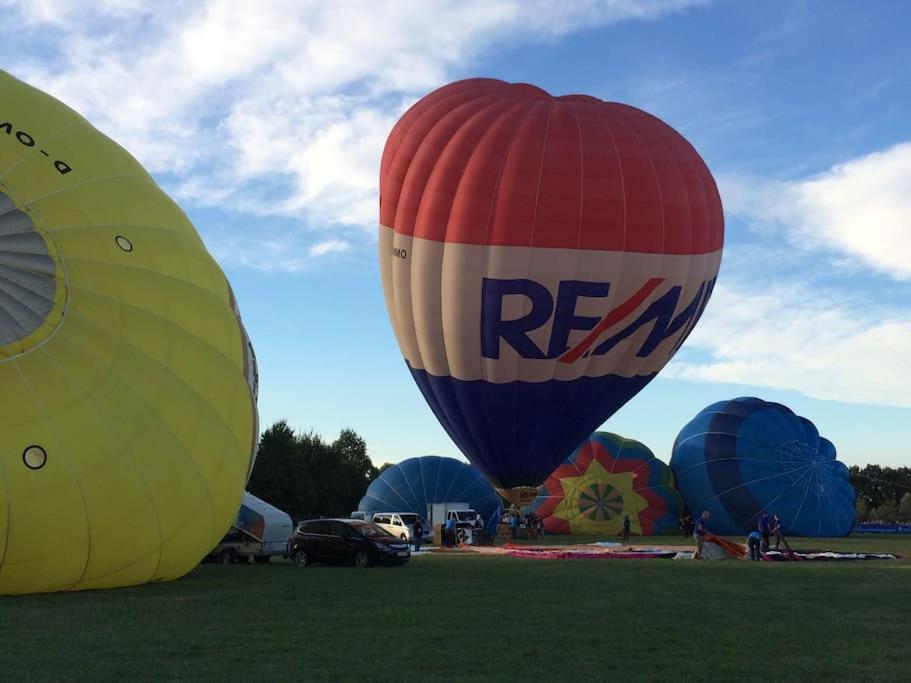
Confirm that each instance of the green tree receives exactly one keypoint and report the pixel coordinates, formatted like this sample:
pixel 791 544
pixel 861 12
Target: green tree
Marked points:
pixel 904 507
pixel 273 474
pixel 353 451
pixel 884 513
pixel 320 478
pixel 357 468
pixel 306 477
pixel 862 508
pixel 881 487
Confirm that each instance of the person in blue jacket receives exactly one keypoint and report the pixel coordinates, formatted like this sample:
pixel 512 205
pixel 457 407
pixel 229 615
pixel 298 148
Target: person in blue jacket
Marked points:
pixel 754 541
pixel 451 531
pixel 514 524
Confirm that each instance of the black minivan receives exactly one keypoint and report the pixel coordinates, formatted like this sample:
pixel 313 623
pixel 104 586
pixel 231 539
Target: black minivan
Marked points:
pixel 346 541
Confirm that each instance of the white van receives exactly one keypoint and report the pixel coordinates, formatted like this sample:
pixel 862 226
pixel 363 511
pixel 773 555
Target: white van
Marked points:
pixel 401 524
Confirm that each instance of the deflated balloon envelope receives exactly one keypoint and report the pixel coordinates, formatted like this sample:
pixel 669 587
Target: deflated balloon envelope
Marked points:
pixel 741 457
pixel 415 482
pixel 127 382
pixel 606 479
pixel 542 259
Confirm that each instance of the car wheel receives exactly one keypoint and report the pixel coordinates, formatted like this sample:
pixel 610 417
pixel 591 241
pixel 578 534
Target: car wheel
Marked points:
pixel 225 556
pixel 301 559
pixel 403 537
pixel 362 559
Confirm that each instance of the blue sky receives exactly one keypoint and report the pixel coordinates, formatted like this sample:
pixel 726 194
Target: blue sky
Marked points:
pixel 266 123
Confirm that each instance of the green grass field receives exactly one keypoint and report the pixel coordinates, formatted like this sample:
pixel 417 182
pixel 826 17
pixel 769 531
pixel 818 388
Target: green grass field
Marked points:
pixel 460 617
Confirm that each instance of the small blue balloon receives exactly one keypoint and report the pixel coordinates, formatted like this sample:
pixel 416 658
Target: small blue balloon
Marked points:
pixel 414 483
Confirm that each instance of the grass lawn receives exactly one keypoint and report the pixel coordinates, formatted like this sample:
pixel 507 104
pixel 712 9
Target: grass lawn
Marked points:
pixel 459 617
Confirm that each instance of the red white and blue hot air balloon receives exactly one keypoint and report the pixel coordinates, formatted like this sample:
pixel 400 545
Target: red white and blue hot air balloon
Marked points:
pixel 542 259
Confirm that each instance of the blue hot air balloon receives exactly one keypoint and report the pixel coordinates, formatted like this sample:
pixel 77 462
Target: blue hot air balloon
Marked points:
pixel 542 259
pixel 741 457
pixel 415 482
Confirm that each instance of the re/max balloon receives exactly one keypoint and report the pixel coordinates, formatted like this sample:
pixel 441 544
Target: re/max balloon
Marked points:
pixel 415 482
pixel 605 480
pixel 127 382
pixel 542 259
pixel 741 457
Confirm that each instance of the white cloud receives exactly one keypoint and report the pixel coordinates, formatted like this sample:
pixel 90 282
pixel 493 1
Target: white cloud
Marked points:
pixel 794 337
pixel 274 107
pixel 276 251
pixel 329 247
pixel 796 334
pixel 860 209
pixel 38 12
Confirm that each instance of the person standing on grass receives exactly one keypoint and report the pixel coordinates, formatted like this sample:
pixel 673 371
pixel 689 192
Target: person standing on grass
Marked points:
pixel 776 529
pixel 418 529
pixel 539 526
pixel 450 531
pixel 626 524
pixel 754 541
pixel 688 525
pixel 764 528
pixel 699 534
pixel 514 525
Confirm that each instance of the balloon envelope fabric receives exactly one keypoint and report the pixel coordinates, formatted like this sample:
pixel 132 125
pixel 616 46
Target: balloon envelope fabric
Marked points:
pixel 414 483
pixel 542 259
pixel 741 457
pixel 127 381
pixel 607 478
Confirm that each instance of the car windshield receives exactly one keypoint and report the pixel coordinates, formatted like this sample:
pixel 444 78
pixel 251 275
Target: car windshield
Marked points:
pixel 409 519
pixel 466 515
pixel 371 530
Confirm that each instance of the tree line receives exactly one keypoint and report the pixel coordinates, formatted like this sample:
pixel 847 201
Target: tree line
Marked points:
pixel 308 477
pixel 883 493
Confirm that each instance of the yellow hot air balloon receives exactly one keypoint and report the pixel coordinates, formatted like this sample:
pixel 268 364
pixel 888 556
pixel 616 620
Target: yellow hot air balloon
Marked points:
pixel 127 382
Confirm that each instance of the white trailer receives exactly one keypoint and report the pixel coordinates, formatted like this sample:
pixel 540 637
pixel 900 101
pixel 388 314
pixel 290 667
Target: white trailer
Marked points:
pixel 260 531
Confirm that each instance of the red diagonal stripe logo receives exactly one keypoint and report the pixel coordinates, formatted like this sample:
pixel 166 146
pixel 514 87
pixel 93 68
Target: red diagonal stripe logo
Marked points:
pixel 612 318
